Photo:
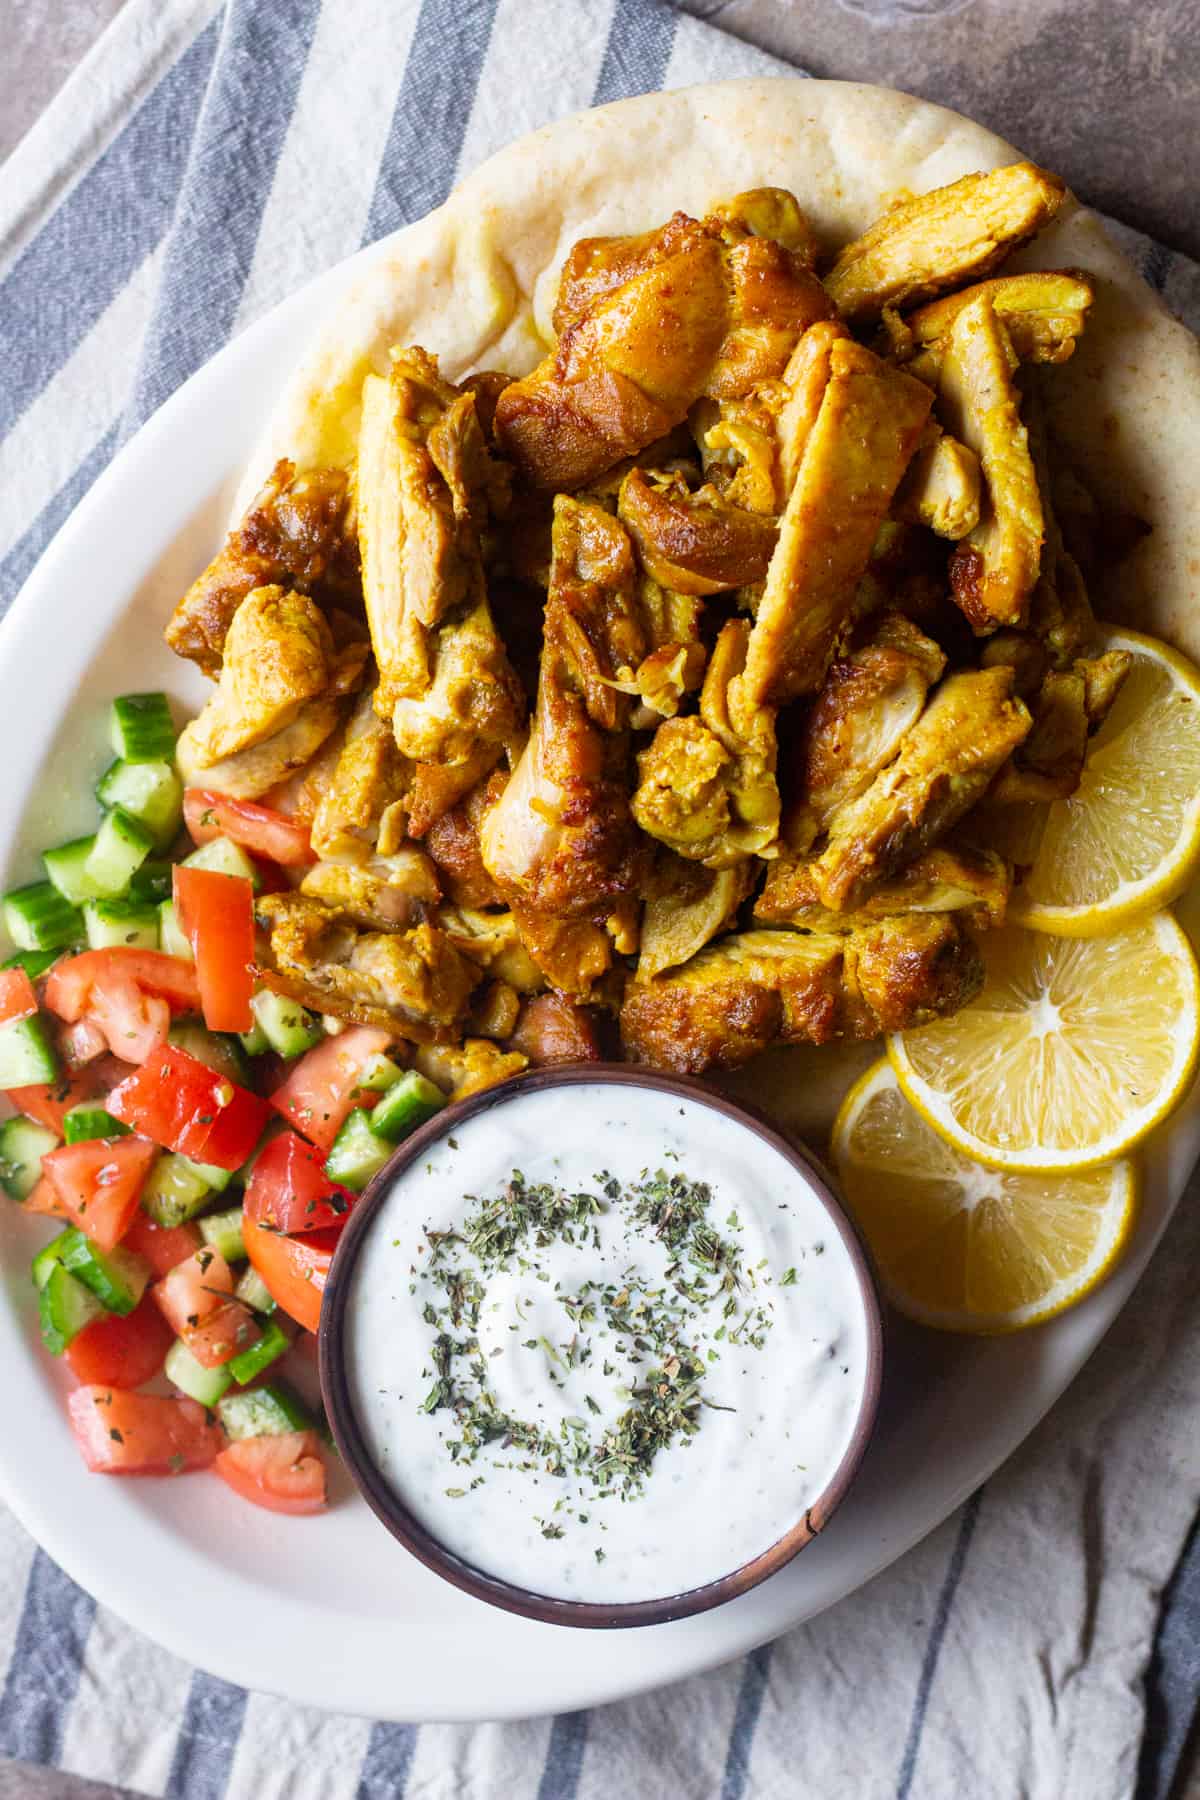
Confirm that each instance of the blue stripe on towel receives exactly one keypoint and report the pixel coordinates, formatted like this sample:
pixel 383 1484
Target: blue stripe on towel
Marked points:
pixel 208 1739
pixel 384 1773
pixel 43 1676
pixel 430 117
pixel 638 50
pixel 564 1757
pixel 103 231
pixel 933 1647
pixel 242 126
pixel 745 1723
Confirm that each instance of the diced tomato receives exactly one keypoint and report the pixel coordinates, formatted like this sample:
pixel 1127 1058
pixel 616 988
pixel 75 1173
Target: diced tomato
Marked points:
pixel 121 1433
pixel 122 1352
pixel 82 1042
pixel 128 994
pixel 294 1270
pixel 284 1473
pixel 196 1299
pixel 99 1182
pixel 44 1199
pixel 216 912
pixel 162 1245
pixel 320 1090
pixel 258 828
pixel 17 998
pixel 186 1106
pixel 48 1103
pixel 289 1190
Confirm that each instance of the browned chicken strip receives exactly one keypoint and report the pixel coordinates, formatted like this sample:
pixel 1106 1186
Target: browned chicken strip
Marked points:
pixel 561 839
pixel 782 987
pixel 952 878
pixel 1043 312
pixel 936 242
pixel 941 488
pixel 646 326
pixel 868 426
pixel 298 533
pixel 693 543
pixel 1069 705
pixel 870 701
pixel 687 906
pixel 970 728
pixel 994 569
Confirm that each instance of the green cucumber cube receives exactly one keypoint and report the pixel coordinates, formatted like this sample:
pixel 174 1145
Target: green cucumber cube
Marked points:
pixel 409 1103
pixel 26 1054
pixel 38 918
pixel 114 924
pixel 66 868
pixel 192 1378
pixel 65 1306
pixel 357 1154
pixel 23 1143
pixel 150 792
pixel 140 728
pixel 268 1411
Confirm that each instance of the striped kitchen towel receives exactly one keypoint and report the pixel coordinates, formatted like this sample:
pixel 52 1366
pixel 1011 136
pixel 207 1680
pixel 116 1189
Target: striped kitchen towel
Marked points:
pixel 204 161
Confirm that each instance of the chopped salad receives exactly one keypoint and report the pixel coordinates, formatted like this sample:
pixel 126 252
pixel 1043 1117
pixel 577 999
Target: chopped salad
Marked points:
pixel 198 1138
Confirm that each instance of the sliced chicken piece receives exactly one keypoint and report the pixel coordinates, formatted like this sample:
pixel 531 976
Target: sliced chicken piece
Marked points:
pixel 772 212
pixel 279 653
pixel 805 380
pixel 298 533
pixel 1023 653
pixel 673 665
pixel 370 775
pixel 783 987
pixel 994 569
pixel 1068 707
pixel 1043 312
pixel 646 327
pixel 941 487
pixel 453 844
pixel 969 729
pixel 693 543
pixel 952 878
pixel 423 483
pixel 384 893
pixel 415 983
pixel 560 839
pixel 573 954
pixel 739 452
pixel 250 773
pixel 1060 613
pixel 706 783
pixel 687 906
pixel 941 239
pixel 869 423
pixel 469 1067
pixel 493 940
pixel 870 701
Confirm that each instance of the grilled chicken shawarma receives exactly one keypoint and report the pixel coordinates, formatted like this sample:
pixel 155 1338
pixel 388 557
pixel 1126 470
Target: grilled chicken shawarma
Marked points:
pixel 941 487
pixel 1044 314
pixel 298 533
pixel 785 987
pixel 646 326
pixel 1068 706
pixel 954 234
pixel 693 543
pixel 423 494
pixel 687 906
pixel 952 878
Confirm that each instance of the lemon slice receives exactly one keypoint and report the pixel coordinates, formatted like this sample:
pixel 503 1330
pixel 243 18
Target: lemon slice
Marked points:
pixel 1128 840
pixel 966 1248
pixel 1073 1051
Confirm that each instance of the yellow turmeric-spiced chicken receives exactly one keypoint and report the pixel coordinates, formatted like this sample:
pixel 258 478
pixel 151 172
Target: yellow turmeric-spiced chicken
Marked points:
pixel 655 702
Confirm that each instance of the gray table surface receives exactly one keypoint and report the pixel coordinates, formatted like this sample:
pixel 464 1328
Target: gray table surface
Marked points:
pixel 1095 89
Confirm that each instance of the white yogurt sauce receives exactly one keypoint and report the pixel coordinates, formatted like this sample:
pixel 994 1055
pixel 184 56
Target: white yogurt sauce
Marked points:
pixel 774 1422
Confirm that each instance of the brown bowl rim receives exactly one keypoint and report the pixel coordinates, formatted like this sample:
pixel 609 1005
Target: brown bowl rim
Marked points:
pixel 403 1524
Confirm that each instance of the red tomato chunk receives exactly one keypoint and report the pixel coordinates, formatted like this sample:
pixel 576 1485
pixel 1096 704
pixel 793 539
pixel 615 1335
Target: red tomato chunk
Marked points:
pixel 17 998
pixel 216 913
pixel 99 1182
pixel 289 1190
pixel 129 995
pixel 162 1245
pixel 185 1106
pixel 122 1352
pixel 196 1299
pixel 141 1434
pixel 284 1474
pixel 257 828
pixel 322 1088
pixel 294 1270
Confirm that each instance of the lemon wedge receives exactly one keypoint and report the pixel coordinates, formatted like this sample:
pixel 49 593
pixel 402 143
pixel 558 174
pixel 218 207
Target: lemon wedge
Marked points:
pixel 966 1248
pixel 1128 840
pixel 1072 1052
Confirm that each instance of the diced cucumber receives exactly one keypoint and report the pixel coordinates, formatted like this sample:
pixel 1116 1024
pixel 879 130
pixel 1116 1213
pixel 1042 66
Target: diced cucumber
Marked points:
pixel 378 1074
pixel 216 1180
pixel 357 1154
pixel 121 847
pixel 48 1259
pixel 118 1278
pixel 38 918
pixel 267 1411
pixel 217 1050
pixel 65 1306
pixel 140 728
pixel 91 1121
pixel 22 1147
pixel 26 1054
pixel 271 1345
pixel 191 1376
pixel 407 1104
pixel 174 1190
pixel 171 936
pixel 34 962
pixel 150 792
pixel 253 1292
pixel 223 1231
pixel 254 1042
pixel 65 867
pixel 287 1026
pixel 224 857
pixel 112 923
pixel 152 882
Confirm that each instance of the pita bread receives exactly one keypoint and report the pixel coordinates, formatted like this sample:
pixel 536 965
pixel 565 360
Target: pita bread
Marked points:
pixel 475 281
